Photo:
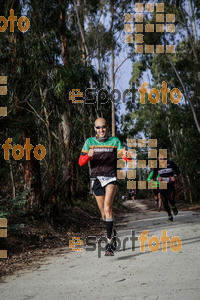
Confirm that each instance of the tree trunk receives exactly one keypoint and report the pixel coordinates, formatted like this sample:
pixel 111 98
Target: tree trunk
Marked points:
pixel 83 30
pixel 65 55
pixel 112 68
pixel 51 149
pixel 190 193
pixel 66 125
pixel 193 22
pixel 31 168
pixel 184 188
pixel 32 181
pixel 12 179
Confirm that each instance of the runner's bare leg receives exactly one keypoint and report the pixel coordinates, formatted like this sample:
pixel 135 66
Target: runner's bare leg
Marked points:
pixel 159 201
pixel 109 198
pixel 100 202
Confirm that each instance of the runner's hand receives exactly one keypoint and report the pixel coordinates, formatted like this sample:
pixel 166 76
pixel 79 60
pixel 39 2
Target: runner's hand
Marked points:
pixel 125 152
pixel 172 178
pixel 91 152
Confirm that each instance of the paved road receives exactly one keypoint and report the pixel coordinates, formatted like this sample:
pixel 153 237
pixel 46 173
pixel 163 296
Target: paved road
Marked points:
pixel 129 274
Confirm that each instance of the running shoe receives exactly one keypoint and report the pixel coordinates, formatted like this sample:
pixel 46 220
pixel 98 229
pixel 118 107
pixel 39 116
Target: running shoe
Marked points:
pixel 170 218
pixel 159 209
pixel 109 250
pixel 175 210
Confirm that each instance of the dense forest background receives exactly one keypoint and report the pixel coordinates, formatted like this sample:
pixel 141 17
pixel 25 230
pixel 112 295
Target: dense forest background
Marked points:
pixel 74 45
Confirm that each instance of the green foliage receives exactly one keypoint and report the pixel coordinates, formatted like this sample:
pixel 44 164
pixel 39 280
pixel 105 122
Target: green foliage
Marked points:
pixel 15 207
pixel 15 228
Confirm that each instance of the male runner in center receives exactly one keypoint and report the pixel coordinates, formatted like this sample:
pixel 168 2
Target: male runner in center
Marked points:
pixel 101 151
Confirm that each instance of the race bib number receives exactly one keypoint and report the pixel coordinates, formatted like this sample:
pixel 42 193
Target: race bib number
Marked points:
pixel 105 180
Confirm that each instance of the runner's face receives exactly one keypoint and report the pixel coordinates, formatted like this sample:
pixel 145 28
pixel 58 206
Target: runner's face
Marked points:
pixel 103 128
pixel 161 159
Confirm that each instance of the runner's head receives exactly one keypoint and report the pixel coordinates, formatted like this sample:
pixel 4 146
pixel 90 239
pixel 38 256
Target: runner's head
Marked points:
pixel 161 156
pixel 162 159
pixel 100 126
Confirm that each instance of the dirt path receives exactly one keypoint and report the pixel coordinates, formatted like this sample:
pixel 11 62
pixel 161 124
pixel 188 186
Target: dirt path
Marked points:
pixel 130 274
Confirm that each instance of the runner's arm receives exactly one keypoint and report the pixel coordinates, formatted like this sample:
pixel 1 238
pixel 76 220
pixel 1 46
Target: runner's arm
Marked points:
pixel 126 158
pixel 155 183
pixel 83 159
pixel 155 174
pixel 150 176
pixel 176 169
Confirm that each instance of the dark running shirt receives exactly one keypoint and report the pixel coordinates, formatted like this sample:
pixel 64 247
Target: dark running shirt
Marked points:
pixel 169 171
pixel 104 160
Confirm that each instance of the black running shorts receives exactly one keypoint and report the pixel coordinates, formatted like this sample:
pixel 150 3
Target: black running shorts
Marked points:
pixel 155 192
pixel 98 189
